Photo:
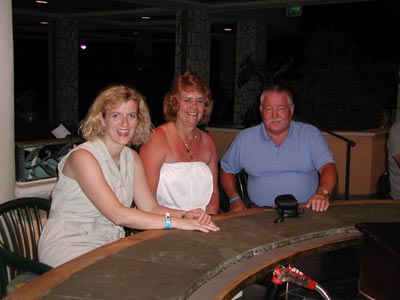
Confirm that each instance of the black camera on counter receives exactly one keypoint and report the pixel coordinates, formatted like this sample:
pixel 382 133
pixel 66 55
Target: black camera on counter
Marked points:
pixel 287 206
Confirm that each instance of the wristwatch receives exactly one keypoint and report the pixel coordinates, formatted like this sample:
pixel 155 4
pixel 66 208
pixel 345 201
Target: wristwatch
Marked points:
pixel 323 192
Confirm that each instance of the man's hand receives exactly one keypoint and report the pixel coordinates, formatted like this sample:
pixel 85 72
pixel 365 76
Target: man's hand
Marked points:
pixel 318 202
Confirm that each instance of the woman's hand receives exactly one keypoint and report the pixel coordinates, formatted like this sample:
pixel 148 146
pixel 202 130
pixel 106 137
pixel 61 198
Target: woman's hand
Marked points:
pixel 193 213
pixel 192 224
pixel 199 215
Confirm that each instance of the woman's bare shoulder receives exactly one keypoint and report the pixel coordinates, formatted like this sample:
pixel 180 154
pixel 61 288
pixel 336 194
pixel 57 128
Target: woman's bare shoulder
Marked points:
pixel 162 132
pixel 207 138
pixel 80 161
pixel 80 154
pixel 158 142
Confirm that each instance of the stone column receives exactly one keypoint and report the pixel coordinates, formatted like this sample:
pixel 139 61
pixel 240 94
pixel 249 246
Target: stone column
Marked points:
pixel 7 158
pixel 63 77
pixel 251 42
pixel 192 43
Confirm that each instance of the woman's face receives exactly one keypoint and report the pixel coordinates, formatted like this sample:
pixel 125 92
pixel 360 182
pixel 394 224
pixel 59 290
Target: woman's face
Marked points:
pixel 120 123
pixel 191 107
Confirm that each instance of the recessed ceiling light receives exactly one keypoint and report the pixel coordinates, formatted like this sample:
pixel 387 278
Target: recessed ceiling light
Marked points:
pixel 227 29
pixel 44 22
pixel 135 32
pixel 146 18
pixel 41 2
pixel 83 46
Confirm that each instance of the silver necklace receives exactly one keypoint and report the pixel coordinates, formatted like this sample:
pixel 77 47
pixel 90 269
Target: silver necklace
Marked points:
pixel 188 146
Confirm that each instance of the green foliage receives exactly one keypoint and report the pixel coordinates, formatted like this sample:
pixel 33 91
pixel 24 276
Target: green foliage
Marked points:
pixel 334 87
pixel 249 68
pixel 337 88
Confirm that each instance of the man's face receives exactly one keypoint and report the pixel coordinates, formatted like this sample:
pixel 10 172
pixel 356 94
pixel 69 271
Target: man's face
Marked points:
pixel 276 113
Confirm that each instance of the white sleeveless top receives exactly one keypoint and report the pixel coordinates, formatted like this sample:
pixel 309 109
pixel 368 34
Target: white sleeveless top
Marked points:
pixel 75 225
pixel 185 185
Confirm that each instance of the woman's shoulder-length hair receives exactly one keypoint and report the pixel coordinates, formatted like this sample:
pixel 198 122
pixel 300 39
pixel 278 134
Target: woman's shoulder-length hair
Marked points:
pixel 112 97
pixel 188 82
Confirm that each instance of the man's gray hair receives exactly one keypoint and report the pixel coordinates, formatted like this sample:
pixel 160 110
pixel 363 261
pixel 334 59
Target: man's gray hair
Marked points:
pixel 277 89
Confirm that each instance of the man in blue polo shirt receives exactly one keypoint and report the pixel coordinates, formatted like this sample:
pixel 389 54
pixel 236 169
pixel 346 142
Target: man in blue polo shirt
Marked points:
pixel 280 156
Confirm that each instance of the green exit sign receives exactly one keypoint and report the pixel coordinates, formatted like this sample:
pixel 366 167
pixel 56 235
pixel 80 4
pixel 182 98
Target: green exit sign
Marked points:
pixel 294 10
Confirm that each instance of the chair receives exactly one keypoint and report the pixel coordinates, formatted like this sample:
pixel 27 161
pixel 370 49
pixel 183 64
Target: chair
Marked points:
pixel 384 186
pixel 241 185
pixel 21 224
pixel 380 260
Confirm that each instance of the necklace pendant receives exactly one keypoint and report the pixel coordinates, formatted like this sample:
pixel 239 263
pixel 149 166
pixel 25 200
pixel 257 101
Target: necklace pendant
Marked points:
pixel 189 153
pixel 188 146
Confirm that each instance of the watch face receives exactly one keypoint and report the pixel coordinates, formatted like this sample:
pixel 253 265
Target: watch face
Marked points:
pixel 324 192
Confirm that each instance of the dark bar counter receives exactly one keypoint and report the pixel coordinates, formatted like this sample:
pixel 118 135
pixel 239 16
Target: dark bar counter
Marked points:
pixel 380 262
pixel 161 264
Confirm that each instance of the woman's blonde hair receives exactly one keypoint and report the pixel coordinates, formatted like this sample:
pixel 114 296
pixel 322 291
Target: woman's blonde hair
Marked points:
pixel 188 82
pixel 110 98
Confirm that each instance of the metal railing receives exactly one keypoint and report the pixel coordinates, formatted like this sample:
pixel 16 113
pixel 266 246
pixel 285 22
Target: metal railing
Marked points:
pixel 35 160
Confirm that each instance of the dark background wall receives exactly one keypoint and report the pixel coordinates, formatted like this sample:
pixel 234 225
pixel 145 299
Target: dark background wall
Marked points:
pixel 372 27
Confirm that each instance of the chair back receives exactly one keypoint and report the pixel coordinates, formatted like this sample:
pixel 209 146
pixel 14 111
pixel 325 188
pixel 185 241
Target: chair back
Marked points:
pixel 384 186
pixel 21 224
pixel 241 185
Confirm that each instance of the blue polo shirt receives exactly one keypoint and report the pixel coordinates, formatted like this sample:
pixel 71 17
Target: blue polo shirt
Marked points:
pixel 291 168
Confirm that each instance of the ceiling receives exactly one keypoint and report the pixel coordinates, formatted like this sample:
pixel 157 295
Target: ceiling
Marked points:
pixel 122 19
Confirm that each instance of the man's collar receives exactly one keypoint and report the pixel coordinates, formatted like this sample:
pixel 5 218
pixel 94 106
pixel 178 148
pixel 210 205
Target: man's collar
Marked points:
pixel 291 135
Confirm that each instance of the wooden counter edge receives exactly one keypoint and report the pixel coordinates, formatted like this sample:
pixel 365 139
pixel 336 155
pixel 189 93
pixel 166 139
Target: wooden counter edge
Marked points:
pixel 44 283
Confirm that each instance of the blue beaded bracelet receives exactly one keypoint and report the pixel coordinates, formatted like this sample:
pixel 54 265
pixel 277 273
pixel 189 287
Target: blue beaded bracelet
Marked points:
pixel 233 199
pixel 167 221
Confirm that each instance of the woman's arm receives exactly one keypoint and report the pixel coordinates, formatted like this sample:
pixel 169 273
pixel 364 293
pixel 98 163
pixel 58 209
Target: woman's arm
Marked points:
pixel 83 167
pixel 213 206
pixel 152 155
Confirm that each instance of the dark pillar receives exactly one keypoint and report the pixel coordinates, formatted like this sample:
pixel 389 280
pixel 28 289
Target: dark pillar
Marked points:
pixel 63 77
pixel 251 42
pixel 192 43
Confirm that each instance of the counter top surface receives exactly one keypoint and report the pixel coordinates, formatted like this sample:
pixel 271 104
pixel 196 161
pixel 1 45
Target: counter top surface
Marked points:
pixel 173 264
